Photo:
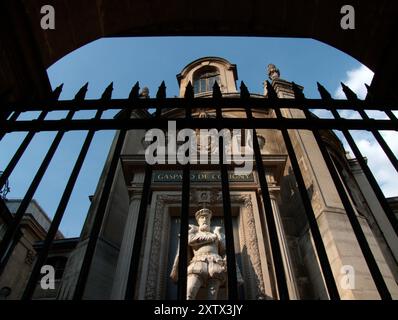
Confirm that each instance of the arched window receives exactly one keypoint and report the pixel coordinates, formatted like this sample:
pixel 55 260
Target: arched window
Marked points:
pixel 204 79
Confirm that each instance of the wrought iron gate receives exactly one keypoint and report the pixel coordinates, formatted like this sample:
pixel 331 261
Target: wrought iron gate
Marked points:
pixel 9 122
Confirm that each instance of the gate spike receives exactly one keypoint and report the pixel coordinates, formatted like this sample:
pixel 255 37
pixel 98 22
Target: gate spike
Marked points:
pixel 189 93
pixel 134 92
pixel 325 95
pixel 216 91
pixel 54 95
pixel 244 92
pixel 271 91
pixel 298 92
pixel 107 94
pixel 81 94
pixel 369 95
pixel 351 95
pixel 161 94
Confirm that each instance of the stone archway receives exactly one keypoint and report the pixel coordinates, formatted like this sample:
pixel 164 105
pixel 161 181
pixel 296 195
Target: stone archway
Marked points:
pixel 78 23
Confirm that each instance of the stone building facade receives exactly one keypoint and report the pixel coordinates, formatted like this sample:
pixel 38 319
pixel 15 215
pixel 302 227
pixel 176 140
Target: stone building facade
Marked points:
pixel 25 247
pixel 109 271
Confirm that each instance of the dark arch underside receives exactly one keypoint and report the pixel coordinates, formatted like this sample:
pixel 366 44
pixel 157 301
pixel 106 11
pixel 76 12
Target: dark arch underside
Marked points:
pixel 27 50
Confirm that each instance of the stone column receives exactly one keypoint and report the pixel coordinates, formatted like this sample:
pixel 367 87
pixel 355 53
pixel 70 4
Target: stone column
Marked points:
pixel 123 264
pixel 290 279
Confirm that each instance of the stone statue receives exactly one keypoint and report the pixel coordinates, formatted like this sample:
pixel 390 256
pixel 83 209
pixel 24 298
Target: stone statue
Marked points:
pixel 273 72
pixel 206 257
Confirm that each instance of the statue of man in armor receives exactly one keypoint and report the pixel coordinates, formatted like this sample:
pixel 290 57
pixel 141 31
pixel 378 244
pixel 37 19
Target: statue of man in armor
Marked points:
pixel 206 257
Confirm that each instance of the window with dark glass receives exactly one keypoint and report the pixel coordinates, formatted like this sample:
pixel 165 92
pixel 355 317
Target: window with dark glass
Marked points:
pixel 205 78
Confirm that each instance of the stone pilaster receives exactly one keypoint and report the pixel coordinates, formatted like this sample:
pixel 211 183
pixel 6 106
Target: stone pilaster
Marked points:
pixel 287 262
pixel 123 264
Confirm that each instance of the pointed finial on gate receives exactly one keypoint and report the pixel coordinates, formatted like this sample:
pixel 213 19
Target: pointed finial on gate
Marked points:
pixel 325 95
pixel 134 91
pixel 161 94
pixel 244 92
pixel 216 91
pixel 351 95
pixel 54 95
pixel 81 94
pixel 189 93
pixel 369 95
pixel 107 94
pixel 271 94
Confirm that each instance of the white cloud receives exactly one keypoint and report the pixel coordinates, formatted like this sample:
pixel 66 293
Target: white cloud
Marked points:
pixel 355 80
pixel 378 162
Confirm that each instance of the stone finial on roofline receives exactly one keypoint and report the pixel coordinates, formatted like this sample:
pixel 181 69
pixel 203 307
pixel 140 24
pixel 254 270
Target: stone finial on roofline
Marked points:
pixel 273 72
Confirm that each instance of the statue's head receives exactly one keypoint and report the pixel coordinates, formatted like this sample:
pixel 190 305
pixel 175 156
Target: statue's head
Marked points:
pixel 203 217
pixel 203 212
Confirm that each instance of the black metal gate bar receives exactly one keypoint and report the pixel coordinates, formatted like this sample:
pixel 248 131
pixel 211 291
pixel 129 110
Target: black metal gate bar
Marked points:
pixel 160 96
pixel 316 234
pixel 383 144
pixel 183 249
pixel 28 138
pixel 226 197
pixel 200 102
pixel 391 115
pixel 229 235
pixel 189 96
pixel 99 217
pixel 54 96
pixel 352 97
pixel 269 213
pixel 4 95
pixel 139 230
pixel 371 179
pixel 11 112
pixel 102 205
pixel 56 221
pixel 14 225
pixel 369 258
pixel 12 119
pixel 10 250
pixel 5 115
pixel 7 220
pixel 208 123
pixel 12 228
pixel 20 151
pixel 138 238
pixel 184 214
pixel 14 116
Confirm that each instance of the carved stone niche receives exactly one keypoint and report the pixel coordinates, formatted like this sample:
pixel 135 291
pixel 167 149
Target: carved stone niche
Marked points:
pixel 162 236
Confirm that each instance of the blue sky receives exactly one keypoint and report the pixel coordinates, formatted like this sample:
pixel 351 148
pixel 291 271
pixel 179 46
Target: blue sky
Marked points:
pixel 151 60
